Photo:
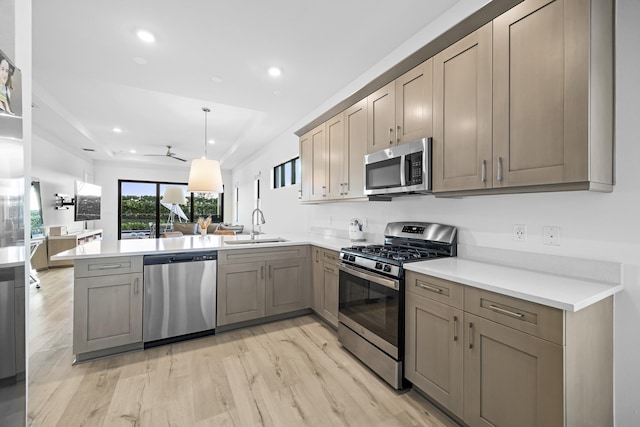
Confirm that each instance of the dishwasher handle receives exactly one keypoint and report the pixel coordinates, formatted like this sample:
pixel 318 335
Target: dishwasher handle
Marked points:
pixel 177 258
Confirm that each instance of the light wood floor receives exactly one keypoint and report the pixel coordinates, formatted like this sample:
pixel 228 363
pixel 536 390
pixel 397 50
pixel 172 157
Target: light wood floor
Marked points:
pixel 288 373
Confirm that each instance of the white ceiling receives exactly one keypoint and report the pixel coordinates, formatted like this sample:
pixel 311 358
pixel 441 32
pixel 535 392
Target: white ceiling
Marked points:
pixel 85 80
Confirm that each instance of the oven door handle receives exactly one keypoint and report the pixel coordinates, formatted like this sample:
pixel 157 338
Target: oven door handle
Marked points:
pixel 371 276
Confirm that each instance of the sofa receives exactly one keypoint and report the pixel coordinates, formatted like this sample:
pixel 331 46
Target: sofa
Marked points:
pixel 190 228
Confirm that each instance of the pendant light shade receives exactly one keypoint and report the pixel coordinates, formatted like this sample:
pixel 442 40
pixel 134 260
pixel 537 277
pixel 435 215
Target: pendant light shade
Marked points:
pixel 205 175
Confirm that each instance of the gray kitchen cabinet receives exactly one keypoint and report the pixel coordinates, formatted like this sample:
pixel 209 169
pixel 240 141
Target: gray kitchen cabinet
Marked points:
pixel 525 103
pixel 108 298
pixel 462 144
pixel 325 284
pixel 553 94
pixel 256 283
pixel 400 111
pixel 495 360
pixel 313 158
pixel 355 148
pixel 241 292
pixel 434 339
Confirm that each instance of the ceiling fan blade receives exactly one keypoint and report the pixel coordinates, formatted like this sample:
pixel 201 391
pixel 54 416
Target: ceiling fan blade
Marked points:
pixel 156 155
pixel 178 158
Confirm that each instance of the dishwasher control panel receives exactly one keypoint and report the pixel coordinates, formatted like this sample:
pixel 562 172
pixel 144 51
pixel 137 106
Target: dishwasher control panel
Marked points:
pixel 204 257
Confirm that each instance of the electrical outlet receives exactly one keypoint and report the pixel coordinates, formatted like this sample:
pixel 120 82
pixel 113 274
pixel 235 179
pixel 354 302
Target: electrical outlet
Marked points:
pixel 364 222
pixel 519 232
pixel 551 235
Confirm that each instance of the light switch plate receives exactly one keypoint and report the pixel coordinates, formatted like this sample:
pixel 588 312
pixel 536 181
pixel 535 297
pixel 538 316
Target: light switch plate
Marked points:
pixel 551 235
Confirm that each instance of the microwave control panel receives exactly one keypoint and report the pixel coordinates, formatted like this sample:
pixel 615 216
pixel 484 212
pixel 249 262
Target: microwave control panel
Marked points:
pixel 413 168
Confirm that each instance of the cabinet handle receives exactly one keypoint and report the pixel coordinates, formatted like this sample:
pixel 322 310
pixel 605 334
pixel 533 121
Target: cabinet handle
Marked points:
pixel 346 185
pixel 342 189
pixel 390 136
pixel 455 328
pixel 470 334
pixel 324 191
pixel 136 289
pixel 499 169
pixel 270 273
pixel 329 269
pixel 484 171
pixel 429 288
pixel 398 134
pixel 507 312
pixel 317 255
pixel 262 271
pixel 108 266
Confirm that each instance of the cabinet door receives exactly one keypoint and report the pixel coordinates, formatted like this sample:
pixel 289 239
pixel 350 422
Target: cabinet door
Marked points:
pixel 381 123
pixel 541 93
pixel 107 312
pixel 319 162
pixel 434 350
pixel 355 148
pixel 306 167
pixel 335 156
pixel 511 378
pixel 318 279
pixel 287 286
pixel 462 114
pixel 414 103
pixel 330 293
pixel 241 292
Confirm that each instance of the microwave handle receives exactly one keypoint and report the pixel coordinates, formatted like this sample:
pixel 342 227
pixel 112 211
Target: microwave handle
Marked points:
pixel 403 177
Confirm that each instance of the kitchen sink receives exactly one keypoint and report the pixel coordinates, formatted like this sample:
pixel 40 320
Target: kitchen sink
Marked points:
pixel 255 241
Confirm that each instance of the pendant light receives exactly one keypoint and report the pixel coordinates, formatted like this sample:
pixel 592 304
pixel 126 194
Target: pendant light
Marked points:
pixel 205 175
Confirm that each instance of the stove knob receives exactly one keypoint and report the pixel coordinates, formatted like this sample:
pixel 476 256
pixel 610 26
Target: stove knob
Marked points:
pixel 387 269
pixel 378 266
pixel 352 257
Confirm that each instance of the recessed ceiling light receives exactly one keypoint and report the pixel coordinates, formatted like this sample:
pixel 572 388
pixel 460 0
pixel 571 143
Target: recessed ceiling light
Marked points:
pixel 117 130
pixel 140 60
pixel 146 36
pixel 275 72
pixel 211 141
pixel 216 79
pixel 132 151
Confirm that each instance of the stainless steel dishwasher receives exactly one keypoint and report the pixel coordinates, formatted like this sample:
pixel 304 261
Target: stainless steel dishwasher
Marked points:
pixel 179 296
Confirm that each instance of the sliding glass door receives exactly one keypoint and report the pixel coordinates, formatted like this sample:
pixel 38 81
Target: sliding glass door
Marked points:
pixel 143 214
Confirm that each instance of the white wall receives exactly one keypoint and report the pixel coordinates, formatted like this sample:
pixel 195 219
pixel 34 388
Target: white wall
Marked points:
pixel 57 169
pixel 593 225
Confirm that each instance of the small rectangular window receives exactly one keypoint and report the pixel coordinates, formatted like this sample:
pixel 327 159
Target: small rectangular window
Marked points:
pixel 287 173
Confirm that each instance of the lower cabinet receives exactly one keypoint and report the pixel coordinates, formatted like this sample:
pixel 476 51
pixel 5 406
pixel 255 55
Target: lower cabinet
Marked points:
pixel 494 360
pixel 261 282
pixel 325 284
pixel 434 353
pixel 107 305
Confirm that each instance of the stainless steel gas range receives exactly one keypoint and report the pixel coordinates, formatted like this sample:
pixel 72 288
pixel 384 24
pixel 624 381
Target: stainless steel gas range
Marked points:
pixel 371 289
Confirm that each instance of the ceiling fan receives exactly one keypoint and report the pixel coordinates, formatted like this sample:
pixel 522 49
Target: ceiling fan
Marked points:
pixel 169 153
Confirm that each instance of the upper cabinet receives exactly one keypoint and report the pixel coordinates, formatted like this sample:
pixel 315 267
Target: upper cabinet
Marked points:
pixel 521 104
pixel 529 108
pixel 401 111
pixel 332 157
pixel 553 94
pixel 462 114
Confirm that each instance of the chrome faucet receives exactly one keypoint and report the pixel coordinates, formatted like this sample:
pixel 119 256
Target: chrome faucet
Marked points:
pixel 257 218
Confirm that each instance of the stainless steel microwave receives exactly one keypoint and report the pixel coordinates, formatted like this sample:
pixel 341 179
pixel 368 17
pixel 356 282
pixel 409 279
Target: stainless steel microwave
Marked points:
pixel 403 169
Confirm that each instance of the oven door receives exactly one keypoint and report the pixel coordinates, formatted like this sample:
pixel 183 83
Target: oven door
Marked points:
pixel 369 304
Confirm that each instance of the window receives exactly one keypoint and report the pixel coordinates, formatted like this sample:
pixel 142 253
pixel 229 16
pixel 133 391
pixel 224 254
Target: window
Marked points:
pixel 142 213
pixel 287 173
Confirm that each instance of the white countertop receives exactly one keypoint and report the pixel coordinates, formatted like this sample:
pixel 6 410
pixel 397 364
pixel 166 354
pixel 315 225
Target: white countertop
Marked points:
pixel 565 293
pixel 11 256
pixel 111 248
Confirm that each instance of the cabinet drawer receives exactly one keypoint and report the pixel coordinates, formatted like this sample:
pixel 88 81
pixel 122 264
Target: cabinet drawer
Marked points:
pixel 534 319
pixel 331 257
pixel 437 289
pixel 107 266
pixel 233 256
